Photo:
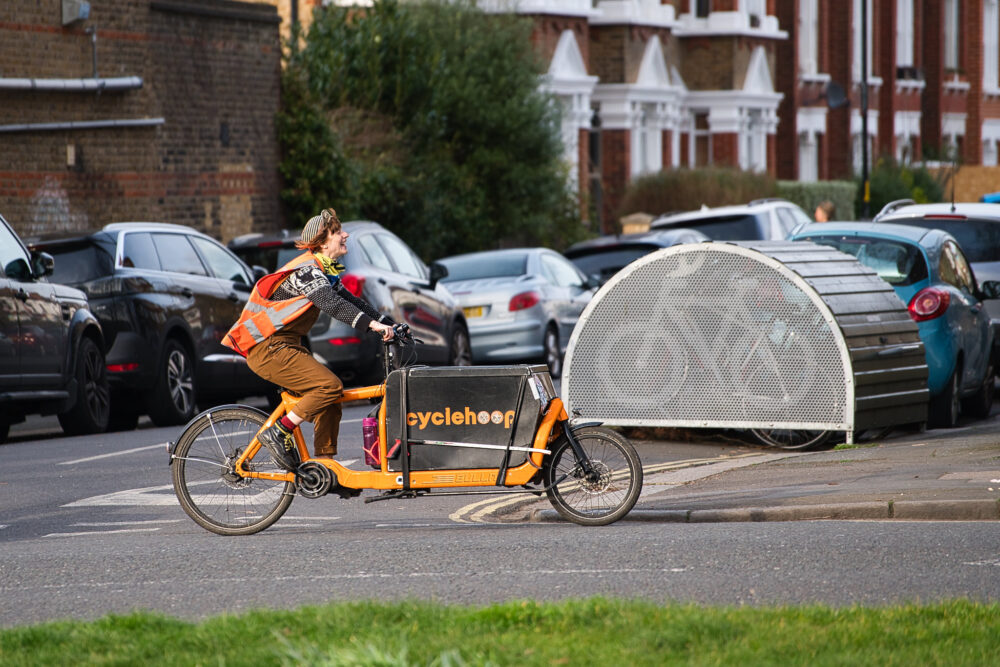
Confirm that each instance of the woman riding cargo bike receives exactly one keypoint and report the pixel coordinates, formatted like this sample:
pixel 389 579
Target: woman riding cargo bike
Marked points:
pixel 236 469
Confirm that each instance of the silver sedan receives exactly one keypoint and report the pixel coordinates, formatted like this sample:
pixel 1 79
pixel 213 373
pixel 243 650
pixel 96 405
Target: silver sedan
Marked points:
pixel 520 304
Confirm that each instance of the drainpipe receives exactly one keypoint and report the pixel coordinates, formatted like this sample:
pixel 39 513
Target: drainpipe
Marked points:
pixel 72 85
pixel 92 31
pixel 82 125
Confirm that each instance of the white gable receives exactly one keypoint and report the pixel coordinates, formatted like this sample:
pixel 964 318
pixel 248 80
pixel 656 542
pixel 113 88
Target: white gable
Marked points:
pixel 567 61
pixel 653 70
pixel 758 79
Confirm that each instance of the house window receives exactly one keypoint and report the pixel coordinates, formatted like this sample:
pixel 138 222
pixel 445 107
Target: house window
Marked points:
pixel 991 44
pixel 808 39
pixel 856 150
pixel 951 14
pixel 808 157
pixel 904 33
pixel 904 149
pixel 756 142
pixel 649 153
pixel 990 153
pixel 702 8
pixel 702 140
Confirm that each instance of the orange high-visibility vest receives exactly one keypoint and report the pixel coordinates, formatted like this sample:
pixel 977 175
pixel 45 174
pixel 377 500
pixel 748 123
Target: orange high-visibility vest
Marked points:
pixel 262 317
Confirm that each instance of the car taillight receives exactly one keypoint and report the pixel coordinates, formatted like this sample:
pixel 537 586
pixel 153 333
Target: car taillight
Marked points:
pixel 348 340
pixel 522 301
pixel 928 303
pixel 353 284
pixel 122 368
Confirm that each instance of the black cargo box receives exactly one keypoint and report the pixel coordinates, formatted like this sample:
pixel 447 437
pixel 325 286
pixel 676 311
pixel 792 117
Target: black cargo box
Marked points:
pixel 464 417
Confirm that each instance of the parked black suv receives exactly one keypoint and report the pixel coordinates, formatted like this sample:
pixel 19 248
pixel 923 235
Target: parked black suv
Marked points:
pixel 51 346
pixel 165 296
pixel 390 276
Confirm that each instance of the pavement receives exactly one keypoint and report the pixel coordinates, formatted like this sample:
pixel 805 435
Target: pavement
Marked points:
pixel 936 475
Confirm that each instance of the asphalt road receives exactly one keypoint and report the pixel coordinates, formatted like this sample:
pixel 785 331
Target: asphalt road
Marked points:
pixel 90 526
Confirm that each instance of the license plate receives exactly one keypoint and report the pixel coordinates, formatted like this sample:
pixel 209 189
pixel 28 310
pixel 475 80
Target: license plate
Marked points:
pixel 474 311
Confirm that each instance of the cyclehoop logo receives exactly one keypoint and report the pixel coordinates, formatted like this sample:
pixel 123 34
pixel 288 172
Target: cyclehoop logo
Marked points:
pixel 462 417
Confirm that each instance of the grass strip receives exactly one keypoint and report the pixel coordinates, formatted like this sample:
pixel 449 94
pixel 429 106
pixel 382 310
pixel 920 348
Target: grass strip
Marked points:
pixel 595 631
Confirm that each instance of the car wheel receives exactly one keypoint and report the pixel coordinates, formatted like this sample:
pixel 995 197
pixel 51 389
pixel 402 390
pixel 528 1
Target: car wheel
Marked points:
pixel 461 351
pixel 123 417
pixel 173 398
pixel 979 404
pixel 944 408
pixel 92 406
pixel 4 430
pixel 553 355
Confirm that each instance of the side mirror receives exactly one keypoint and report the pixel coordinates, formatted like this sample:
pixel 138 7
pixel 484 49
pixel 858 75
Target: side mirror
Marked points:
pixel 990 289
pixel 18 270
pixel 438 273
pixel 258 272
pixel 42 264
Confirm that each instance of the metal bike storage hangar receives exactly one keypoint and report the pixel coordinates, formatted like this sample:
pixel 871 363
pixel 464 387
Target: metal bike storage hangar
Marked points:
pixel 748 335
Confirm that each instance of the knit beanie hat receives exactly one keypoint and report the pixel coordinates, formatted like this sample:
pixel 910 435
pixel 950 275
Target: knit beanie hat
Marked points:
pixel 312 228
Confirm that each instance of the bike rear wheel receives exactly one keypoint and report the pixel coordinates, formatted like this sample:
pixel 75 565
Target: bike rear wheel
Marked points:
pixel 206 483
pixel 607 497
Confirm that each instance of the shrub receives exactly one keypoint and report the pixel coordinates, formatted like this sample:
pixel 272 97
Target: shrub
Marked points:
pixel 890 181
pixel 677 190
pixel 809 195
pixel 437 128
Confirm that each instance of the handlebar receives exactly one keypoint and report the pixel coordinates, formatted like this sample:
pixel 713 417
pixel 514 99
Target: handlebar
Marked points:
pixel 402 337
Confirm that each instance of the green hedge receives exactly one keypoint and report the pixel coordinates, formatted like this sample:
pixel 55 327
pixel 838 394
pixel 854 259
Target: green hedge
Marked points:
pixel 809 195
pixel 676 190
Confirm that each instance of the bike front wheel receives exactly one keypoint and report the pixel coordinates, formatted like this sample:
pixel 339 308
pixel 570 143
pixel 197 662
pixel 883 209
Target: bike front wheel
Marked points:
pixel 205 478
pixel 603 497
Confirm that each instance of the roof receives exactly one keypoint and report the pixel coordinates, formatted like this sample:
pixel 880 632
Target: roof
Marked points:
pixel 877 229
pixel 720 211
pixel 970 209
pixel 290 236
pixel 660 237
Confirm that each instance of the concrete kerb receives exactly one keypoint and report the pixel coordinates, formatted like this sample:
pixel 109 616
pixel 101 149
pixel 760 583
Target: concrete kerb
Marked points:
pixel 909 510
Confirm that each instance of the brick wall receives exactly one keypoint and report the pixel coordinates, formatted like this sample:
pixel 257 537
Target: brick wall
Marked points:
pixel 616 160
pixel 933 35
pixel 786 165
pixel 835 52
pixel 209 69
pixel 548 29
pixel 607 53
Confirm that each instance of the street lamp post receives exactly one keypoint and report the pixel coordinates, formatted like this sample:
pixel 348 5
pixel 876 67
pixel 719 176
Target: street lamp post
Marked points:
pixel 866 198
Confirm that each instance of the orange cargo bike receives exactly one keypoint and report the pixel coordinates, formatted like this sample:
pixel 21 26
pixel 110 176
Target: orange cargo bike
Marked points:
pixel 441 431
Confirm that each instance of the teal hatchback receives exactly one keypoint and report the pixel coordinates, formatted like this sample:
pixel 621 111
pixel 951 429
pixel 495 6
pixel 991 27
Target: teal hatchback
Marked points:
pixel 932 276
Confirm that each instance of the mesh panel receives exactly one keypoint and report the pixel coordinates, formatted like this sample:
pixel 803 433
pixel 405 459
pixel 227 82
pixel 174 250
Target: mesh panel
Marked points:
pixel 705 335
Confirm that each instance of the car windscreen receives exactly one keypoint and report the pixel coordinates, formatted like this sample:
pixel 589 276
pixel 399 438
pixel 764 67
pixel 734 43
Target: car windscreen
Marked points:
pixel 978 238
pixel 606 262
pixel 270 257
pixel 475 267
pixel 79 262
pixel 728 228
pixel 895 262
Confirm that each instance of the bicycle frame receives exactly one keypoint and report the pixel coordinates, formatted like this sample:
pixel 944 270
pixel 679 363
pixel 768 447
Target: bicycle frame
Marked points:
pixel 385 479
pixel 591 475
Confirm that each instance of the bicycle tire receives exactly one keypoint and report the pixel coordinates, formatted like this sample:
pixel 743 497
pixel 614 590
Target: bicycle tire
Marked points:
pixel 206 486
pixel 601 502
pixel 792 439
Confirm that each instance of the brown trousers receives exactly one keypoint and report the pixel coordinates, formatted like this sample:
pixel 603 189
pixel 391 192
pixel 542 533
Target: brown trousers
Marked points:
pixel 283 360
